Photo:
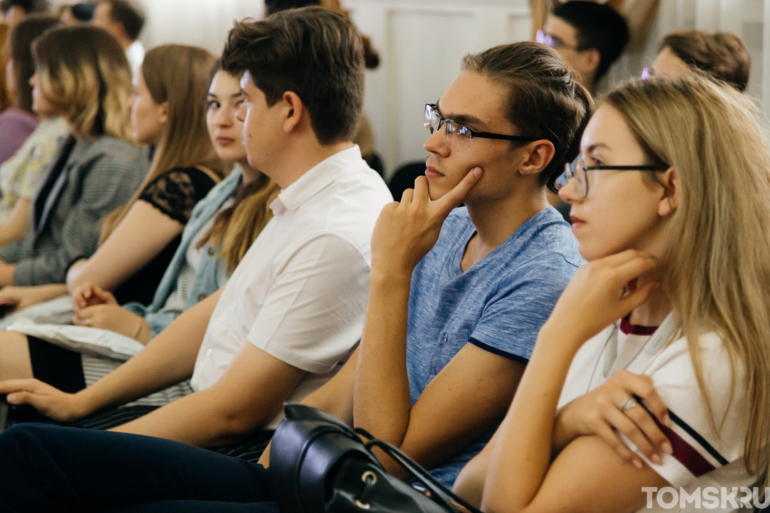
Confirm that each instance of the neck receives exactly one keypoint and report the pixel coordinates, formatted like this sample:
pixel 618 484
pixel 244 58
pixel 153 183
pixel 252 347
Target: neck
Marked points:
pixel 249 173
pixel 496 221
pixel 302 158
pixel 655 310
pixel 125 43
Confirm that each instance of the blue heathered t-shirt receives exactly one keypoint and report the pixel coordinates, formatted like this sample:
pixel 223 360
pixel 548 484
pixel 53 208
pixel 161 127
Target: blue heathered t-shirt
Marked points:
pixel 499 304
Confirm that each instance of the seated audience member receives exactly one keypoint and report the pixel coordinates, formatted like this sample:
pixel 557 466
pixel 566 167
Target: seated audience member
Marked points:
pixel 222 227
pixel 13 11
pixel 649 372
pixel 446 336
pixel 141 237
pixel 294 308
pixel 720 54
pixel 20 175
pixel 590 36
pixel 124 19
pixel 81 72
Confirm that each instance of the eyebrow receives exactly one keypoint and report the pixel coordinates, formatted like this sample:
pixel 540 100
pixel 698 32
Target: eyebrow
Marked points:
pixel 596 146
pixel 463 119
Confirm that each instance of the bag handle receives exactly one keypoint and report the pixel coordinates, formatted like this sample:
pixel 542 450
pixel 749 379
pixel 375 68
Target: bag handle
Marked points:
pixel 439 491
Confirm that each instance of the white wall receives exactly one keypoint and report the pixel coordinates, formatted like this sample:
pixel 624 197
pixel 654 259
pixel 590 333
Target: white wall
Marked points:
pixel 421 43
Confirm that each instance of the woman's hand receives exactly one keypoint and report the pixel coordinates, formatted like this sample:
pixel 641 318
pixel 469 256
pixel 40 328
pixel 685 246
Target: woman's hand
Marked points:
pixel 91 295
pixel 113 318
pixel 406 231
pixel 47 400
pixel 24 297
pixel 600 293
pixel 600 412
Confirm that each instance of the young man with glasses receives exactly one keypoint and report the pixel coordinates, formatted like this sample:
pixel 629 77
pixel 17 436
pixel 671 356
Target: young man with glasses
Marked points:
pixel 588 35
pixel 456 301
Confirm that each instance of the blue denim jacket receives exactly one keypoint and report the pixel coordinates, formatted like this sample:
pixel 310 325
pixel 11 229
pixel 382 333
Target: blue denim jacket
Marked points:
pixel 211 273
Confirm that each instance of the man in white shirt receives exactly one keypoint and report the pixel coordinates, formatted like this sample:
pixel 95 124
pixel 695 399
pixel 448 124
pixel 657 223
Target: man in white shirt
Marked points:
pixel 294 308
pixel 124 19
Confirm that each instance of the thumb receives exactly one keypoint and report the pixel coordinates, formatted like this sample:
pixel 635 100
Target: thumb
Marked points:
pixel 19 398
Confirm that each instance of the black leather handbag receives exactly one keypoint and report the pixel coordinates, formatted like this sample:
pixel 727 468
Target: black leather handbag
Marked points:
pixel 321 465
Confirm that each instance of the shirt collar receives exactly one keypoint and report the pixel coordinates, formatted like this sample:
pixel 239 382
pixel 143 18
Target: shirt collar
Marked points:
pixel 316 179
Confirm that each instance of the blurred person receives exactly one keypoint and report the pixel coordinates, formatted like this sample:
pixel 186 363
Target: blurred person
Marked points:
pixel 74 13
pixel 20 175
pixel 13 11
pixel 720 54
pixel 588 35
pixel 139 239
pixel 82 72
pixel 124 19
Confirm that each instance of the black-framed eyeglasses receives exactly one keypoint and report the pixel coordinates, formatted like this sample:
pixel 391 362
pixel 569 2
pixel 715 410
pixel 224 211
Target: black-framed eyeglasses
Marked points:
pixel 554 42
pixel 460 136
pixel 579 171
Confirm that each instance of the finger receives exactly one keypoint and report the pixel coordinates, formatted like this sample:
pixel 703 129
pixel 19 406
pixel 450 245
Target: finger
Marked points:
pixel 421 190
pixel 635 299
pixel 22 397
pixel 623 424
pixel 632 269
pixel 15 385
pixel 649 430
pixel 454 197
pixel 642 387
pixel 610 437
pixel 623 257
pixel 406 197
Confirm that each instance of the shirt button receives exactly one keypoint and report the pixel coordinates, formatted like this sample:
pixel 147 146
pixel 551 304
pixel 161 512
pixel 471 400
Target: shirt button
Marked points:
pixel 201 297
pixel 197 214
pixel 211 251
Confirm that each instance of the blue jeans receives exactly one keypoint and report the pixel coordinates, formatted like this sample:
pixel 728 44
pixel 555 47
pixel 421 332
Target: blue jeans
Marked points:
pixel 50 468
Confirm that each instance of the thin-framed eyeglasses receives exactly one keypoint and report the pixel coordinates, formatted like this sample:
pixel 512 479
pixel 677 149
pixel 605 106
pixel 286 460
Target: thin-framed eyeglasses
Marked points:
pixel 554 42
pixel 579 171
pixel 460 136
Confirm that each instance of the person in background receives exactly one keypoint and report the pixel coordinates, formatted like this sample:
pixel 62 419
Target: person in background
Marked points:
pixel 82 72
pixel 721 54
pixel 20 175
pixel 589 36
pixel 124 19
pixel 139 239
pixel 13 11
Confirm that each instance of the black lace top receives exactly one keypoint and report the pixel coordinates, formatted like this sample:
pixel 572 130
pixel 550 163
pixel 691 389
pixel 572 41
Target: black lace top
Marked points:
pixel 174 193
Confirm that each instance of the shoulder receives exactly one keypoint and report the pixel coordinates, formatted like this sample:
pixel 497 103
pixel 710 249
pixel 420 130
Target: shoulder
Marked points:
pixel 110 149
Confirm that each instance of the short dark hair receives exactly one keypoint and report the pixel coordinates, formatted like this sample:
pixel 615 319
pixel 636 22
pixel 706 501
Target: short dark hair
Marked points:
pixel 274 6
pixel 720 54
pixel 20 52
pixel 29 6
pixel 543 99
pixel 128 13
pixel 598 26
pixel 313 52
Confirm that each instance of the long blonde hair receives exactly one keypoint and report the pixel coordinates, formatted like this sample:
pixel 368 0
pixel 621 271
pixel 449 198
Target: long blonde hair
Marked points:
pixel 716 265
pixel 179 75
pixel 83 71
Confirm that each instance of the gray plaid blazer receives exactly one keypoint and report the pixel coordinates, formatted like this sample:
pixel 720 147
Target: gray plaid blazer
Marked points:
pixel 85 181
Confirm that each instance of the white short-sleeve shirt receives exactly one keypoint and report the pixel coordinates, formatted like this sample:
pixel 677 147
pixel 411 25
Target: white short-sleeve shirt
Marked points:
pixel 702 458
pixel 300 292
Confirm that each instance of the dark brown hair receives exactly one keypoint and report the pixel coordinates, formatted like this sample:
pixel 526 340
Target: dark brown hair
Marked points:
pixel 313 52
pixel 29 6
pixel 129 14
pixel 721 54
pixel 543 101
pixel 20 42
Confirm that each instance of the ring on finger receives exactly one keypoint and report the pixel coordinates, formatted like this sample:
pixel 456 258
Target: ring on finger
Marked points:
pixel 628 403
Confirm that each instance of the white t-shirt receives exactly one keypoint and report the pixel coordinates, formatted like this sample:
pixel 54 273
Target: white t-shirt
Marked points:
pixel 300 292
pixel 135 56
pixel 702 458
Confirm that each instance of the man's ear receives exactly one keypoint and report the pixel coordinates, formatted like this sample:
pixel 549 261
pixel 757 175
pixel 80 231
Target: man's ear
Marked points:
pixel 669 196
pixel 591 59
pixel 540 155
pixel 294 111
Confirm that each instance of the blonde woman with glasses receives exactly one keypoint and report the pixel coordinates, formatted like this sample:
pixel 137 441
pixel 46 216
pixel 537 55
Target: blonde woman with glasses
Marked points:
pixel 648 387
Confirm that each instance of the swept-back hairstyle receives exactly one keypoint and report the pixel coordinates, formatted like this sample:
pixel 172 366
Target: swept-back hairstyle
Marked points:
pixel 721 54
pixel 128 13
pixel 313 52
pixel 83 71
pixel 19 48
pixel 236 227
pixel 543 99
pixel 177 75
pixel 715 266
